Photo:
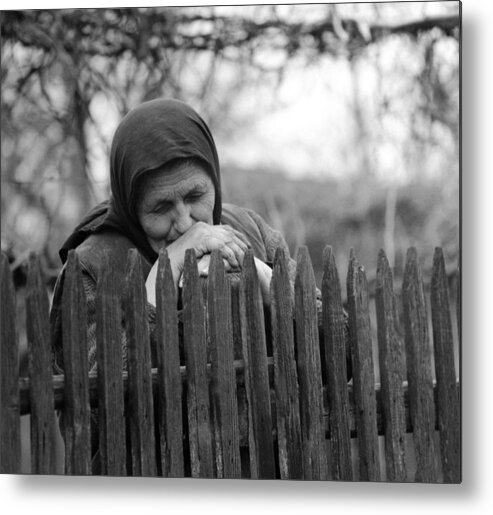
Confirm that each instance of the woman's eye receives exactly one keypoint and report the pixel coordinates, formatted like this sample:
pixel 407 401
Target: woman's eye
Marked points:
pixel 194 196
pixel 162 208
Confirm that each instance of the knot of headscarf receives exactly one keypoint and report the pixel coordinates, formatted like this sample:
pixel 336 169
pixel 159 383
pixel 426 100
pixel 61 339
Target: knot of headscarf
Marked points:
pixel 148 137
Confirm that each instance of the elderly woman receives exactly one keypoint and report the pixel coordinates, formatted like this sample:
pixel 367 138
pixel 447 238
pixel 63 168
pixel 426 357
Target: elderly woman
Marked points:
pixel 166 192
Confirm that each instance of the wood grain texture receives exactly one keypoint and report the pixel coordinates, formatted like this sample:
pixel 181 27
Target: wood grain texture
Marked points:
pixel 199 426
pixel 420 380
pixel 285 374
pixel 391 372
pixel 448 396
pixel 75 361
pixel 10 441
pixel 315 464
pixel 40 372
pixel 110 399
pixel 223 384
pixel 262 464
pixel 169 396
pixel 335 358
pixel 140 404
pixel 363 371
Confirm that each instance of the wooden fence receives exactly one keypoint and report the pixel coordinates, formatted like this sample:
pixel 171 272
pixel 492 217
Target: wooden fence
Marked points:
pixel 239 390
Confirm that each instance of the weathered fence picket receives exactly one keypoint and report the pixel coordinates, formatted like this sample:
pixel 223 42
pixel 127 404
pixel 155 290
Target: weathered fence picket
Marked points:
pixel 10 440
pixel 169 394
pixel 418 354
pixel 140 405
pixel 194 336
pixel 309 371
pixel 448 395
pixel 262 464
pixel 363 374
pixel 238 388
pixel 111 421
pixel 391 374
pixel 223 383
pixel 334 332
pixel 285 373
pixel 77 413
pixel 41 392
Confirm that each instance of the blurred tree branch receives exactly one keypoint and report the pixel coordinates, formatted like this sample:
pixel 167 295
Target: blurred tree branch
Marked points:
pixel 145 33
pixel 55 63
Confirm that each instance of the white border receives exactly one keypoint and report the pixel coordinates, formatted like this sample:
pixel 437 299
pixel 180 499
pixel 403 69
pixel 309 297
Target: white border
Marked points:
pixel 39 495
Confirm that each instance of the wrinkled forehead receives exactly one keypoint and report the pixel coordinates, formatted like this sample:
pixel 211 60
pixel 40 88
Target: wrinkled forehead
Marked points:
pixel 172 181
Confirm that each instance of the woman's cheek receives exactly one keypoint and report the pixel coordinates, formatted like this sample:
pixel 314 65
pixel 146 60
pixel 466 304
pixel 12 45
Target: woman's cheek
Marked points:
pixel 157 231
pixel 203 212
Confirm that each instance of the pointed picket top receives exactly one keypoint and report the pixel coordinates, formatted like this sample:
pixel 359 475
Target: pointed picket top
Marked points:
pixel 329 265
pixel 353 266
pixel 438 273
pixel 304 269
pixel 218 283
pixel 10 443
pixel 280 267
pixel 216 267
pixel 384 273
pixel 165 285
pixel 190 270
pixel 412 272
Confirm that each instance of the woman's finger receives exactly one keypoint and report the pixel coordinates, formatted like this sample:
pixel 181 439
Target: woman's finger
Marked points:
pixel 238 251
pixel 237 234
pixel 228 253
pixel 242 238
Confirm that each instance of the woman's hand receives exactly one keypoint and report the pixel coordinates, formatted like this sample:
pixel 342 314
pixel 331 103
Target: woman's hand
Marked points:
pixel 203 238
pixel 228 241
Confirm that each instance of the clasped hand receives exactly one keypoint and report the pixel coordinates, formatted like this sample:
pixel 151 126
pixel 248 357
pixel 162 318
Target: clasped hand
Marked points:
pixel 203 239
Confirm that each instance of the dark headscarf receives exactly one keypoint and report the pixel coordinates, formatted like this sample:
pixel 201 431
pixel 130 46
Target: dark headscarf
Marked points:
pixel 148 137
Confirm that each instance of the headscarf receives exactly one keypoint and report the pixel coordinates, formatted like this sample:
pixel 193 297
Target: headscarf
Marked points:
pixel 148 137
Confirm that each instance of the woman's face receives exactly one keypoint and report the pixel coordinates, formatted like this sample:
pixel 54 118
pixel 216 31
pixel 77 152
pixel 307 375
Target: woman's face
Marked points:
pixel 170 202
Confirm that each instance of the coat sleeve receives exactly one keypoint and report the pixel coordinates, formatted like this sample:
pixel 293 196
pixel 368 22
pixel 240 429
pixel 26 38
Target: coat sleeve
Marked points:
pixel 274 239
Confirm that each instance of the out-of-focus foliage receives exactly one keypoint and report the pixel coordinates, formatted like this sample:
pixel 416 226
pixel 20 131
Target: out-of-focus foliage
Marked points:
pixel 68 76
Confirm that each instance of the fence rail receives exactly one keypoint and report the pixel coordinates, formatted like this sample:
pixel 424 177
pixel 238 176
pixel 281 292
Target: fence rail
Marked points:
pixel 238 389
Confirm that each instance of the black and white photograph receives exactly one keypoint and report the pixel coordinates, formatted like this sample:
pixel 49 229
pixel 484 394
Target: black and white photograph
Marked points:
pixel 231 243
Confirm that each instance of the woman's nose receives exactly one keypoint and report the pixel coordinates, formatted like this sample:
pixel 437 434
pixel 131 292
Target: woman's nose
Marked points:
pixel 183 218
